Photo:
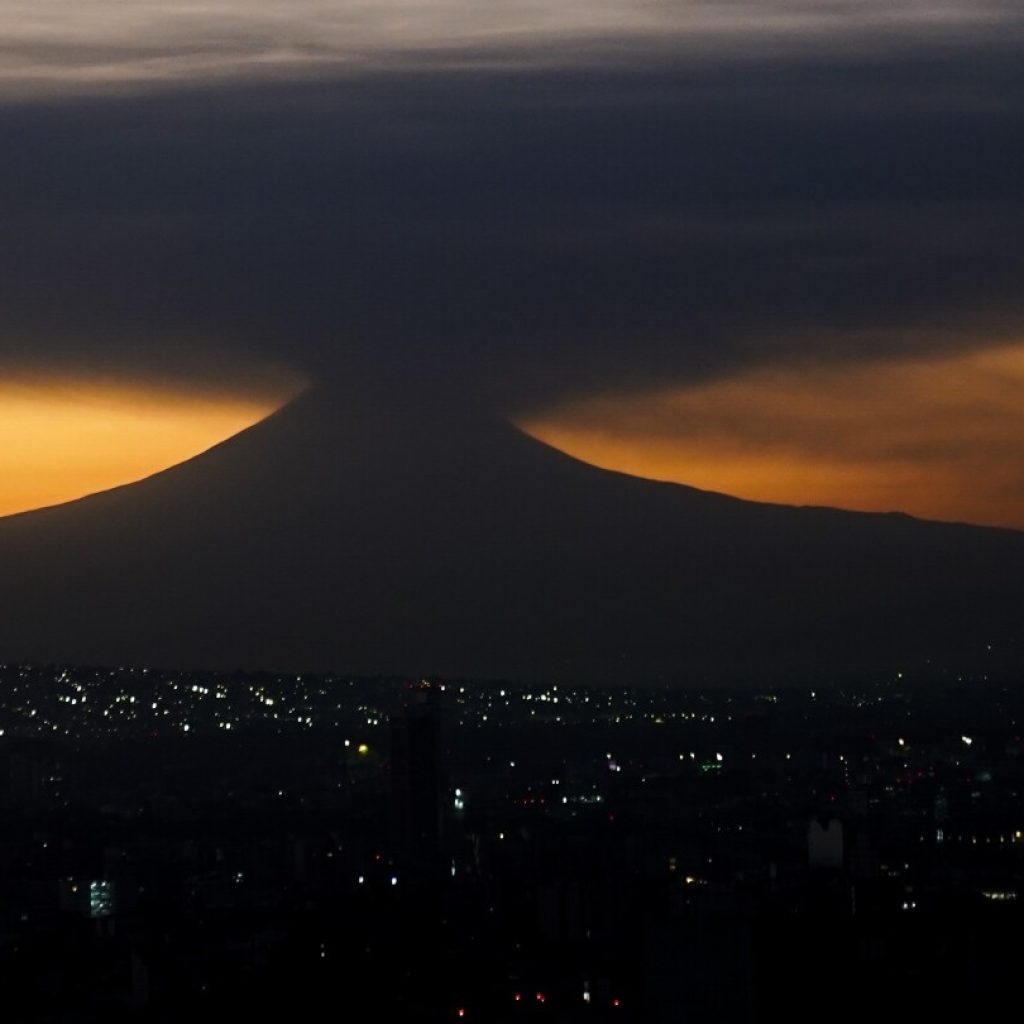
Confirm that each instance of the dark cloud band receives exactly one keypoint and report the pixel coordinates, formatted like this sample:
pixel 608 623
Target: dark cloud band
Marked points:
pixel 528 233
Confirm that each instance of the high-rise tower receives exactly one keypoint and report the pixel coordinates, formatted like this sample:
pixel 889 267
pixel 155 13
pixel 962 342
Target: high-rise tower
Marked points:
pixel 417 775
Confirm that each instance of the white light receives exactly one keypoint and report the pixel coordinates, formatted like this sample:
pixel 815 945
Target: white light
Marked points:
pixel 967 740
pixel 394 879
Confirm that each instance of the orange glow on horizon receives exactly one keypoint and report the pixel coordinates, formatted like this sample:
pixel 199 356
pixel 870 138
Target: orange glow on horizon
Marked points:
pixel 61 442
pixel 939 437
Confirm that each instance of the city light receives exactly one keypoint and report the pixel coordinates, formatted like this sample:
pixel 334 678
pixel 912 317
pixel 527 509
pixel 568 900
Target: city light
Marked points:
pixel 101 899
pixel 559 792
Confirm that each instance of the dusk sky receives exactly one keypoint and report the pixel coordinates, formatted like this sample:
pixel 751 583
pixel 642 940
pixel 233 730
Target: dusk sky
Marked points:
pixel 511 509
pixel 770 249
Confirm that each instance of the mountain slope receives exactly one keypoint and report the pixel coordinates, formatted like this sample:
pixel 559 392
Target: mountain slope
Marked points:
pixel 371 536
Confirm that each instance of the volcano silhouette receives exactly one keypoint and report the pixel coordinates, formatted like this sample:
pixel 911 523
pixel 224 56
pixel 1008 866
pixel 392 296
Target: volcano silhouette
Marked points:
pixel 375 536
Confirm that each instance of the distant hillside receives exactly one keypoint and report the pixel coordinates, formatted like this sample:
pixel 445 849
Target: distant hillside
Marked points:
pixel 373 536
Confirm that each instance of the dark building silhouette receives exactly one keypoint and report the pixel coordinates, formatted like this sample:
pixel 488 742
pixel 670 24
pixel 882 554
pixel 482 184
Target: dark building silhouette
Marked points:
pixel 417 776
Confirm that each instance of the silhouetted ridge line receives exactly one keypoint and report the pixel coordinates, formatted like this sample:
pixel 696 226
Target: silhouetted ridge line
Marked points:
pixel 364 534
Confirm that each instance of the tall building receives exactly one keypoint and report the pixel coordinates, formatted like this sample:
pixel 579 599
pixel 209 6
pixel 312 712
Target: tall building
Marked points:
pixel 825 845
pixel 417 775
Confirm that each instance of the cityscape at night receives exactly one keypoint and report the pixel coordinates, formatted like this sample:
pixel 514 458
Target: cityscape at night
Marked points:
pixel 227 844
pixel 511 511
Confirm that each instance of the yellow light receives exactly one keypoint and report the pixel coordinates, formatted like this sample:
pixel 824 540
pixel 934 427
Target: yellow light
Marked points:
pixel 61 441
pixel 363 748
pixel 940 436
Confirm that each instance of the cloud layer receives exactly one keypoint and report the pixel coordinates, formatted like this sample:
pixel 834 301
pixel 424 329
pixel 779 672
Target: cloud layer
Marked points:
pixel 68 44
pixel 515 204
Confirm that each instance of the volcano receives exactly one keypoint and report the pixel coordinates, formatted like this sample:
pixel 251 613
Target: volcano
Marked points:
pixel 369 535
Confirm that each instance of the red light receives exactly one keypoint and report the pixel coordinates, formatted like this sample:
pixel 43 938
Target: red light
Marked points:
pixel 462 1012
pixel 616 1002
pixel 517 997
pixel 540 997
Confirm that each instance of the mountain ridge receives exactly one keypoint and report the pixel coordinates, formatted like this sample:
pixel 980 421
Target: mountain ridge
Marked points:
pixel 369 534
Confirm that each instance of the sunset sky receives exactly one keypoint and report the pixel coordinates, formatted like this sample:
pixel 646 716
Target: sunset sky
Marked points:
pixel 770 249
pixel 941 437
pixel 60 441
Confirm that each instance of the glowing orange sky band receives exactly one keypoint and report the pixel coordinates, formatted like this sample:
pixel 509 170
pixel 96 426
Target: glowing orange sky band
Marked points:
pixel 62 442
pixel 939 437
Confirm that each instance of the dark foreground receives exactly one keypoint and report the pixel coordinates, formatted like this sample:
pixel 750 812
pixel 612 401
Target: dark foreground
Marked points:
pixel 312 848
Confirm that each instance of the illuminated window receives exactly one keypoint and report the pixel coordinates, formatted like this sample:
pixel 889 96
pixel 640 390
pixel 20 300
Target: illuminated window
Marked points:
pixel 101 899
